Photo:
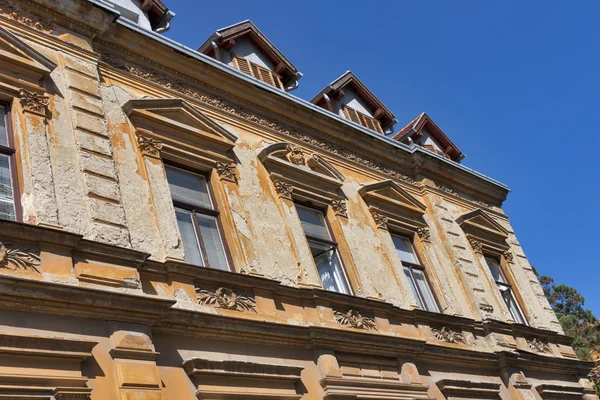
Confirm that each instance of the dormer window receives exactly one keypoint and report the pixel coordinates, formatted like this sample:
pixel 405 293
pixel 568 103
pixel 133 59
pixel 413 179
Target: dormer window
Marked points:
pixel 260 73
pixel 362 119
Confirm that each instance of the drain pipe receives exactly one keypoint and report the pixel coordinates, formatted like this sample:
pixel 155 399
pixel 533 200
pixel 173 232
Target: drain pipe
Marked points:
pixel 216 49
pixel 295 82
pixel 164 25
pixel 328 101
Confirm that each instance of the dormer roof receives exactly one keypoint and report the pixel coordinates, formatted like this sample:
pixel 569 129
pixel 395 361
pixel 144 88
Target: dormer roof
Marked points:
pixel 335 91
pixel 423 127
pixel 225 39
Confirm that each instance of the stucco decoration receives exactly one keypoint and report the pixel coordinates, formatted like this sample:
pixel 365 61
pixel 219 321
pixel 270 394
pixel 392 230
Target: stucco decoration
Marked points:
pixel 18 257
pixel 476 246
pixel 339 207
pixel 509 257
pixel 380 219
pixel 40 24
pixel 449 335
pixel 149 146
pixel 33 102
pixel 486 309
pixel 355 319
pixel 226 298
pixel 447 189
pixel 538 345
pixel 481 225
pixel 226 171
pixel 424 233
pixel 283 189
pixel 296 155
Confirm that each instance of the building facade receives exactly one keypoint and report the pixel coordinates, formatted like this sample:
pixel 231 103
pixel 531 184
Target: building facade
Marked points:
pixel 175 225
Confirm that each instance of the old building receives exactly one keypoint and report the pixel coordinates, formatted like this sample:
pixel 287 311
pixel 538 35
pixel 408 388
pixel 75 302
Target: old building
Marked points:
pixel 175 225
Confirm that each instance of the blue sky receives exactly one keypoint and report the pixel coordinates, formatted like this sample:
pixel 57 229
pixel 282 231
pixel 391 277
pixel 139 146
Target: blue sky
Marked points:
pixel 515 84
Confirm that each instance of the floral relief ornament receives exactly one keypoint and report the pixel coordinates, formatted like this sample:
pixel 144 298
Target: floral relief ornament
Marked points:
pixel 33 102
pixel 380 219
pixel 448 335
pixel 226 171
pixel 355 319
pixel 425 234
pixel 476 245
pixel 18 257
pixel 538 345
pixel 37 23
pixel 339 207
pixel 149 146
pixel 225 298
pixel 509 257
pixel 283 189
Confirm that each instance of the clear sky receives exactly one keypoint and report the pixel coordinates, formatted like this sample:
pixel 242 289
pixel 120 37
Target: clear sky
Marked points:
pixel 515 85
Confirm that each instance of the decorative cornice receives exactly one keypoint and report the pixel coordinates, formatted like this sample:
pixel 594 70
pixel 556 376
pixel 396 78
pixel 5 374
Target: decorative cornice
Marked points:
pixel 446 189
pixel 424 233
pixel 449 335
pixel 37 23
pixel 33 102
pixel 149 146
pixel 380 219
pixel 225 298
pixel 18 257
pixel 296 155
pixel 283 189
pixel 476 246
pixel 538 345
pixel 226 171
pixel 218 102
pixel 339 207
pixel 355 320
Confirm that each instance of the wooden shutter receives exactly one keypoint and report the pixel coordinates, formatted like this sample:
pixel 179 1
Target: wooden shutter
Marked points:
pixel 362 119
pixel 257 71
pixel 352 115
pixel 242 64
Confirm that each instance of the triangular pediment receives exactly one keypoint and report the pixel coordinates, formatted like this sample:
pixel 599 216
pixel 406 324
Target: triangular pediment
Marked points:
pixel 167 118
pixel 479 223
pixel 15 53
pixel 389 195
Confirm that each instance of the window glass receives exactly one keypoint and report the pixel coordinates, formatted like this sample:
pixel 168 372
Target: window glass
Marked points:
pixel 329 267
pixel 313 222
pixel 7 203
pixel 191 247
pixel 188 188
pixel 209 230
pixel 513 306
pixel 405 249
pixel 3 132
pixel 413 286
pixel 430 304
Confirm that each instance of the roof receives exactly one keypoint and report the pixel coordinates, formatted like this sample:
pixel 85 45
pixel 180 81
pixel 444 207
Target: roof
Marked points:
pixel 380 111
pixel 225 37
pixel 157 12
pixel 415 127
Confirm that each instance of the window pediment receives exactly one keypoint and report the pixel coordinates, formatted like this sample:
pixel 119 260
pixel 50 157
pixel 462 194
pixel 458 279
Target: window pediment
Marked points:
pixel 178 126
pixel 311 176
pixel 22 59
pixel 480 225
pixel 390 201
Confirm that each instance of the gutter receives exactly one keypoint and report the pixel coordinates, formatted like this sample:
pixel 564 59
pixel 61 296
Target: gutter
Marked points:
pixel 303 103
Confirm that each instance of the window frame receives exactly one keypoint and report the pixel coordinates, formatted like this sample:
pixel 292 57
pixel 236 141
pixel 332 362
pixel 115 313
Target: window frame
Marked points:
pixel 194 209
pixel 11 151
pixel 421 267
pixel 331 242
pixel 506 284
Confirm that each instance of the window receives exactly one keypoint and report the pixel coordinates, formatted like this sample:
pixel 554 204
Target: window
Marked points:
pixel 505 290
pixel 197 219
pixel 8 207
pixel 324 250
pixel 415 273
pixel 362 119
pixel 260 73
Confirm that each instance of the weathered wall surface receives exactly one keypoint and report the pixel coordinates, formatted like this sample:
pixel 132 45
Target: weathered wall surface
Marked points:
pixel 93 280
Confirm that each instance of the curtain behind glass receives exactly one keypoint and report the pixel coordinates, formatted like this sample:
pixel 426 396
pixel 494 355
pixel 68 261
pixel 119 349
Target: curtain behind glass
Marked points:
pixel 313 223
pixel 404 249
pixel 188 188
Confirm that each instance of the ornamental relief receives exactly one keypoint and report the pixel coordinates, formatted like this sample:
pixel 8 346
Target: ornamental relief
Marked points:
pixel 33 102
pixel 354 319
pixel 296 155
pixel 448 335
pixel 283 189
pixel 14 257
pixel 226 298
pixel 149 146
pixel 476 246
pixel 226 171
pixel 538 345
pixel 380 219
pixel 339 208
pixel 425 234
pixel 9 10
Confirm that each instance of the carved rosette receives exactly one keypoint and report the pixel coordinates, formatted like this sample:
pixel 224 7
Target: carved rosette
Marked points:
pixel 538 345
pixel 225 298
pixel 339 208
pixel 424 233
pixel 380 219
pixel 509 257
pixel 355 319
pixel 283 189
pixel 476 246
pixel 149 146
pixel 33 102
pixel 15 257
pixel 296 155
pixel 449 335
pixel 226 171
